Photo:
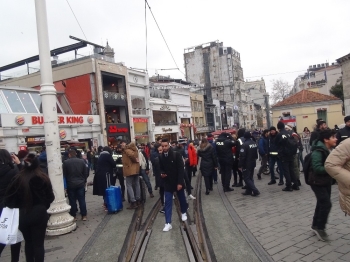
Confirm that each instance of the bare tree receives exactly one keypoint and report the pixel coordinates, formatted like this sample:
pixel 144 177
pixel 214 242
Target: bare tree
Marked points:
pixel 280 90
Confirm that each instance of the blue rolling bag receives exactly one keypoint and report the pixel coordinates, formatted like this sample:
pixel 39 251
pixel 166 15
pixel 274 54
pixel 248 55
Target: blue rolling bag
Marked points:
pixel 113 197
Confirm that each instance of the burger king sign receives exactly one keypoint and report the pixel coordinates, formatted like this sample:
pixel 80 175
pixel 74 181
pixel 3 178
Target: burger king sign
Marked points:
pixel 63 134
pixel 20 120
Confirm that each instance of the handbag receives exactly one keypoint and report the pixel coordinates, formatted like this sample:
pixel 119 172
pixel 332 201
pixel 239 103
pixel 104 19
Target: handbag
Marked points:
pixel 9 232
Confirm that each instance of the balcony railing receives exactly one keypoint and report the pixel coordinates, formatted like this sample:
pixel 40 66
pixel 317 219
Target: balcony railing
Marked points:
pixel 165 123
pixel 114 95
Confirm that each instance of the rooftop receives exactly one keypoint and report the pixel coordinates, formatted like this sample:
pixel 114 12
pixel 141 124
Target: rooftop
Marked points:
pixel 305 96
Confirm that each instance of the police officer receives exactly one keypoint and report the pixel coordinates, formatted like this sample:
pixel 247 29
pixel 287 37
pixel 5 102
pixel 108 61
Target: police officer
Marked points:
pixel 240 141
pixel 247 161
pixel 344 133
pixel 119 169
pixel 224 145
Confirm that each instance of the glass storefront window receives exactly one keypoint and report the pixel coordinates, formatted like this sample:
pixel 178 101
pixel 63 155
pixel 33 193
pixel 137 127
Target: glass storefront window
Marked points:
pixel 3 108
pixel 37 100
pixel 162 118
pixel 27 102
pixel 14 101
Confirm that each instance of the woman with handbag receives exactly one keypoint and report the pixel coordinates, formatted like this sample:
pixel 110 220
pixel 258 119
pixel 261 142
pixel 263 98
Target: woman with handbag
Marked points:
pixel 7 173
pixel 31 192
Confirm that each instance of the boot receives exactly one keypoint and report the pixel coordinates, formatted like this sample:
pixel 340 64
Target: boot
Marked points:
pixel 133 205
pixel 139 203
pixel 207 192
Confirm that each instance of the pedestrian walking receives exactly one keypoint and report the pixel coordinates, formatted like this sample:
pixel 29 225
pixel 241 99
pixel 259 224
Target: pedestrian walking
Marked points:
pixel 247 163
pixel 172 173
pixel 211 141
pixel 157 174
pixel 131 170
pixel 321 182
pixel 7 174
pixel 144 169
pixel 263 151
pixel 31 192
pixel 76 173
pixel 274 158
pixel 208 164
pixel 238 144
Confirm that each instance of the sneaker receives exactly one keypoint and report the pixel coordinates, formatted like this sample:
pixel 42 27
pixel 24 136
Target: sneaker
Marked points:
pixel 173 197
pixel 272 182
pixel 162 211
pixel 229 189
pixel 321 234
pixel 184 217
pixel 255 194
pixel 84 218
pixel 246 193
pixel 295 187
pixel 167 227
pixel 155 188
pixel 288 189
pixel 313 227
pixel 259 177
pixel 190 197
pixel 281 183
pixel 133 205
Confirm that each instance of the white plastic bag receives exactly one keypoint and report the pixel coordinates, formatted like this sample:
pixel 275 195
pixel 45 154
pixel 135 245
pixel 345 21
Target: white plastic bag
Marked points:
pixel 9 232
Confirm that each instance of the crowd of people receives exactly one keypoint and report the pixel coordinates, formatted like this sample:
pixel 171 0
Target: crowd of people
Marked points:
pixel 24 182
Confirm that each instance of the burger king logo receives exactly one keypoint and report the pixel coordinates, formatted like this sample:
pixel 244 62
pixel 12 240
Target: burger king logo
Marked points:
pixel 63 134
pixel 20 120
pixel 90 119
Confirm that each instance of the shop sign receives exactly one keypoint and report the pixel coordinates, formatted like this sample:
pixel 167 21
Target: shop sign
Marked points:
pixel 114 129
pixel 20 120
pixel 39 120
pixel 25 130
pixel 167 129
pixel 205 129
pixel 23 148
pixel 35 139
pixel 63 134
pixel 140 120
pixel 90 119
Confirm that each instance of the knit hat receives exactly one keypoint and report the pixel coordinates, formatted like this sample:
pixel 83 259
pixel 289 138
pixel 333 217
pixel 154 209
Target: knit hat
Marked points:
pixel 273 128
pixel 247 135
pixel 346 119
pixel 280 125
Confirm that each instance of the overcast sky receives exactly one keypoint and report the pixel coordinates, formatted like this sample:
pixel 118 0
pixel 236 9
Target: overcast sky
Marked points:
pixel 272 36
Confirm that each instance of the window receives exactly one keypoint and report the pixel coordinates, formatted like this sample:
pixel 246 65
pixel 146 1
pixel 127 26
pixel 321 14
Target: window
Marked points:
pixel 3 108
pixel 251 117
pixel 195 106
pixel 138 105
pixel 251 108
pixel 37 100
pixel 14 101
pixel 322 113
pixel 62 100
pixel 27 102
pixel 200 106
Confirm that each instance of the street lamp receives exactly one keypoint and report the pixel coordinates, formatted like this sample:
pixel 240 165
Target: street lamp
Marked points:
pixel 60 221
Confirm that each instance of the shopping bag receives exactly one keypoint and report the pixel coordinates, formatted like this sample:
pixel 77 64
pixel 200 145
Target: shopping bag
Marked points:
pixel 9 232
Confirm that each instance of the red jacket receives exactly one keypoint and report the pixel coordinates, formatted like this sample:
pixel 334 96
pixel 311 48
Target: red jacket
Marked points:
pixel 192 155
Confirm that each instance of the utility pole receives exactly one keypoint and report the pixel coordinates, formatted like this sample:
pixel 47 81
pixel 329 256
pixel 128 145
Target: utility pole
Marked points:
pixel 60 222
pixel 267 108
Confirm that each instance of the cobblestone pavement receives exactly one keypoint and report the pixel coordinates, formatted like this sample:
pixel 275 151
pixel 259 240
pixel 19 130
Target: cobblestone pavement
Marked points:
pixel 281 222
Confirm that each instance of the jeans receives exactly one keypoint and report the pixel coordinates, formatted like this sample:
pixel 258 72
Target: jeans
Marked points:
pixel 272 161
pixel 187 182
pixel 323 205
pixel 263 164
pixel 169 204
pixel 248 175
pixel 288 171
pixel 226 173
pixel 130 180
pixel 146 179
pixel 75 194
pixel 33 227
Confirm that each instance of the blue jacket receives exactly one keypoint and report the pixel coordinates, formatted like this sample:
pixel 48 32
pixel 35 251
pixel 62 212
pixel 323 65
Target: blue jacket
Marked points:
pixel 263 146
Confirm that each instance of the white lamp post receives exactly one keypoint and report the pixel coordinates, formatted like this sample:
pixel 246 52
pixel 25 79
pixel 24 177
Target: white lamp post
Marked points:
pixel 60 221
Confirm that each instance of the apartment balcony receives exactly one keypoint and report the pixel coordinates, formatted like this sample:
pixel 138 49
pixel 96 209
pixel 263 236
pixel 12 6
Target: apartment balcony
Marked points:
pixel 114 98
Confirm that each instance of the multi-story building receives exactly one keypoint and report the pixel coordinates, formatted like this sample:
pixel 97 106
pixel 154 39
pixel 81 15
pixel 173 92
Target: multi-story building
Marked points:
pixel 345 68
pixel 91 84
pixel 198 116
pixel 217 71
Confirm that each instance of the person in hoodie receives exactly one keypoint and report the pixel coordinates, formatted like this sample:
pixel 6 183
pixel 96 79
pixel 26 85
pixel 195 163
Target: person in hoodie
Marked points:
pixel 209 163
pixel 7 174
pixel 211 141
pixel 263 151
pixel 105 166
pixel 321 182
pixel 247 163
pixel 273 157
pixel 224 145
pixel 131 170
pixel 240 141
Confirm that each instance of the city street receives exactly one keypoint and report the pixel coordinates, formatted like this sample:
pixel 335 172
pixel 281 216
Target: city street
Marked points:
pixel 278 221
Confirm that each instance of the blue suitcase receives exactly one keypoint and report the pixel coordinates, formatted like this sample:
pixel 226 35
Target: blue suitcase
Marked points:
pixel 113 197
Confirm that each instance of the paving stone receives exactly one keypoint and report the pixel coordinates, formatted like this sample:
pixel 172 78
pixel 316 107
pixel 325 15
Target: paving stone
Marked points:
pixel 332 256
pixel 307 250
pixel 312 257
pixel 293 257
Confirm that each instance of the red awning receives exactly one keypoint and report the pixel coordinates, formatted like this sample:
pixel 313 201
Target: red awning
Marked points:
pixel 218 132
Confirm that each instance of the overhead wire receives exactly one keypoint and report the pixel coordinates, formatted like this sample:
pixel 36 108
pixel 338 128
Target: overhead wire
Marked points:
pixel 146 32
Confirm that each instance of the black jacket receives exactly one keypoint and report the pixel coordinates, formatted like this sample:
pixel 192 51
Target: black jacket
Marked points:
pixel 343 134
pixel 75 172
pixel 156 169
pixel 224 150
pixel 173 167
pixel 281 142
pixel 273 148
pixel 239 144
pixel 314 136
pixel 105 166
pixel 248 154
pixel 208 160
pixel 7 173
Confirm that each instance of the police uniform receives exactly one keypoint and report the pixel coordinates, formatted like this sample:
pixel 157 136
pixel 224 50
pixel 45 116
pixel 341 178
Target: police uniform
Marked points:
pixel 247 161
pixel 343 134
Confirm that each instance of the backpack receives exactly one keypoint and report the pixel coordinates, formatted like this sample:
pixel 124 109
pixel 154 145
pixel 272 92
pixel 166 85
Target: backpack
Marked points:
pixel 291 146
pixel 307 167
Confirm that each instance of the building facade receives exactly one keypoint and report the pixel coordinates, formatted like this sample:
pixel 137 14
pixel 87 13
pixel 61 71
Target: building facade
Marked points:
pixel 345 68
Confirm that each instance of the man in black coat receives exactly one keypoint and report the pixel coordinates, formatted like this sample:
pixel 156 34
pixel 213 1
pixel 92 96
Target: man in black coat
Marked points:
pixel 287 159
pixel 172 173
pixel 76 172
pixel 321 125
pixel 248 155
pixel 273 157
pixel 224 145
pixel 344 133
pixel 239 143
